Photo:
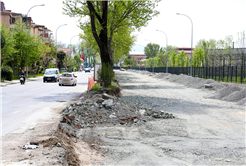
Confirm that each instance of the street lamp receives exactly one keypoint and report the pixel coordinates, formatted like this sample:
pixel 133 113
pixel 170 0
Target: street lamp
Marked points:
pixel 191 40
pixel 71 41
pixel 167 51
pixel 56 42
pixel 26 25
pixel 152 56
pixel 29 11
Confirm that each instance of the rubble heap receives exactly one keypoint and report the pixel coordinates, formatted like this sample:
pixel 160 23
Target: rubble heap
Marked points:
pixel 104 109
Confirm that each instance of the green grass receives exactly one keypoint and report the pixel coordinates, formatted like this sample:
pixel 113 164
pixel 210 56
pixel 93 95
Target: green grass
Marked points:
pixel 96 87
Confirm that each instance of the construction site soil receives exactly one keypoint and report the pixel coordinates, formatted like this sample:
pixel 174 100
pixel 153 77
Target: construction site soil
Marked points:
pixel 156 119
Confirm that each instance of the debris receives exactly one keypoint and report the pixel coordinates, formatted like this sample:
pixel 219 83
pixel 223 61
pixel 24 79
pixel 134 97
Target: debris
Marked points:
pixel 30 146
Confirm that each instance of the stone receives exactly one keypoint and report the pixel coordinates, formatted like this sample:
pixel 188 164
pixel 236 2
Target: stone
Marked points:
pixel 135 120
pixel 95 104
pixel 142 112
pixel 79 103
pixel 208 86
pixel 106 96
pixel 112 116
pixel 58 144
pixel 100 100
pixel 108 102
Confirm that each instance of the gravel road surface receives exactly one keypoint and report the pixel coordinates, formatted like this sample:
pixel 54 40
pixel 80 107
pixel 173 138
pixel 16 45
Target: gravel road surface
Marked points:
pixel 204 132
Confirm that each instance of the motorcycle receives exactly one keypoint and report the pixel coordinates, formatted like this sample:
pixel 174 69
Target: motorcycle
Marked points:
pixel 22 79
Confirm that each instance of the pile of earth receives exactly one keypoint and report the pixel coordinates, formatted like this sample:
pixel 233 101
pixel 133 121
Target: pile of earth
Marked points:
pixel 231 93
pixel 106 110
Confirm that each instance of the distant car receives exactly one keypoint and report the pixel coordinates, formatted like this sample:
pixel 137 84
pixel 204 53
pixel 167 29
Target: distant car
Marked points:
pixel 63 70
pixel 51 74
pixel 80 70
pixel 68 79
pixel 122 69
pixel 87 70
pixel 92 69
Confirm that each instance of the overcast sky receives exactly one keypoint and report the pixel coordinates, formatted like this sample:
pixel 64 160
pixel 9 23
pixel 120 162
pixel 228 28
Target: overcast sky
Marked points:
pixel 212 19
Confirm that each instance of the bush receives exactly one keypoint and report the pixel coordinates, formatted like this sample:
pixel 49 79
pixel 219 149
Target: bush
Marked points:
pixel 74 69
pixel 7 73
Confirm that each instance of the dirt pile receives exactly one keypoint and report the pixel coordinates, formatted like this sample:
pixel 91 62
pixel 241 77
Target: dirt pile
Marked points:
pixel 225 92
pixel 104 109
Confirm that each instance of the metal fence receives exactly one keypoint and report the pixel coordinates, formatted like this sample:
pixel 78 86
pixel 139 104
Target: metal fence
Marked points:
pixel 236 74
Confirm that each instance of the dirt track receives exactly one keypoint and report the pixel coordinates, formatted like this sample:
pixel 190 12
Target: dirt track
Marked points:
pixel 205 132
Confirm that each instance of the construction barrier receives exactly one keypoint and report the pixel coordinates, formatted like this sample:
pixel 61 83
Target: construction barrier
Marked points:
pixel 91 82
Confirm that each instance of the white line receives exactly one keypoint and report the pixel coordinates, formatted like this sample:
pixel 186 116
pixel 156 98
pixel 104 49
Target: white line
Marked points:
pixel 37 88
pixel 15 112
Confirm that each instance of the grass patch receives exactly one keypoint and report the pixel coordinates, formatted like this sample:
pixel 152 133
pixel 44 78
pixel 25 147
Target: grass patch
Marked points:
pixel 96 87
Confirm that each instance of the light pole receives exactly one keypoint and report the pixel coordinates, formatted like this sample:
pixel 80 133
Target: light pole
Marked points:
pixel 26 25
pixel 191 40
pixel 56 42
pixel 152 56
pixel 29 11
pixel 71 41
pixel 167 51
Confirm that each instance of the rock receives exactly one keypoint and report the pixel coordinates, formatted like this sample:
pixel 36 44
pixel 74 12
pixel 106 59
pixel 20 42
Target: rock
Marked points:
pixel 58 144
pixel 100 100
pixel 108 102
pixel 106 96
pixel 208 86
pixel 155 115
pixel 112 116
pixel 142 112
pixel 135 120
pixel 79 103
pixel 95 104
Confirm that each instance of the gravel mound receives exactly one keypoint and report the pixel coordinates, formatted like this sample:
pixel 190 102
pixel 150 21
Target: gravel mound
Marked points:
pixel 104 109
pixel 235 96
pixel 224 92
pixel 242 102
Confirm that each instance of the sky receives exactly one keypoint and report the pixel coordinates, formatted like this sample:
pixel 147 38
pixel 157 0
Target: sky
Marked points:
pixel 212 19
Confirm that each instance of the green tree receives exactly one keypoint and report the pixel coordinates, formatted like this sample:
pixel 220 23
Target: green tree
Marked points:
pixel 180 59
pixel 127 62
pixel 172 58
pixel 3 42
pixel 151 50
pixel 61 55
pixel 199 57
pixel 8 50
pixel 77 60
pixel 106 18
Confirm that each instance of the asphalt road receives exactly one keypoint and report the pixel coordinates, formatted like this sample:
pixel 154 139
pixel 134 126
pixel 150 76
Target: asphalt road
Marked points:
pixel 22 101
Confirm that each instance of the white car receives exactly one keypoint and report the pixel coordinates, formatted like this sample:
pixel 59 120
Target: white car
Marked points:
pixel 68 79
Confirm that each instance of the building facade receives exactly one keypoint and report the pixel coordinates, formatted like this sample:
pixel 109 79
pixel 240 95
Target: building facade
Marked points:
pixel 139 57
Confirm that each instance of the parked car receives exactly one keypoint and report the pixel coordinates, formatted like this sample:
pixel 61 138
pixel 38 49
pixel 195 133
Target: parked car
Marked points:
pixel 63 70
pixel 92 69
pixel 68 79
pixel 122 69
pixel 51 74
pixel 87 70
pixel 80 70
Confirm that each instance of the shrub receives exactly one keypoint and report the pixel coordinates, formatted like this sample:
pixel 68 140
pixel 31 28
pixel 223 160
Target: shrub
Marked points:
pixel 74 69
pixel 7 72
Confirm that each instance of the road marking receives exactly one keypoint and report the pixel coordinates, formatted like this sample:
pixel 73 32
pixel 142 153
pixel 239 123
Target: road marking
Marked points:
pixel 69 91
pixel 15 112
pixel 37 88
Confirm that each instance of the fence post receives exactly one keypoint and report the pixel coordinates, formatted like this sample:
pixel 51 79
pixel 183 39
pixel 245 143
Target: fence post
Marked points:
pixel 236 74
pixel 241 74
pixel 228 73
pixel 212 72
pixel 231 73
pixel 215 72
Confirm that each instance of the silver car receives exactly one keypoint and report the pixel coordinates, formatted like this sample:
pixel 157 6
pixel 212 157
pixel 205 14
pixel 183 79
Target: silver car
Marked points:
pixel 68 79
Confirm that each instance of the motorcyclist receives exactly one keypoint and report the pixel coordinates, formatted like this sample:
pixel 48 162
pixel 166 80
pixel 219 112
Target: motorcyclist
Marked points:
pixel 23 75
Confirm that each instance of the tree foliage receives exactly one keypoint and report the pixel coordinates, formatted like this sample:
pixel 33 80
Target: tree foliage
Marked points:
pixel 151 50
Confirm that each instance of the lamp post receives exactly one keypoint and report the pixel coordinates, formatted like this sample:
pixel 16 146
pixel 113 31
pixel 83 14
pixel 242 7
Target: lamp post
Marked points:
pixel 26 25
pixel 167 51
pixel 56 42
pixel 152 57
pixel 29 11
pixel 191 40
pixel 71 41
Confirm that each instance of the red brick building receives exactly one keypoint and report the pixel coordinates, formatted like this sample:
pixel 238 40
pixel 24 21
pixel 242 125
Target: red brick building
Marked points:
pixel 138 56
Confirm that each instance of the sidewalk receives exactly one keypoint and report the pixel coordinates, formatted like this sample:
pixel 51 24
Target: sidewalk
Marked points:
pixel 18 81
